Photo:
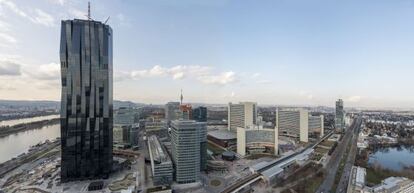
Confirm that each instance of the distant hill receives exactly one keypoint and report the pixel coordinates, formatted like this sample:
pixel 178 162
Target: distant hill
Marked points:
pixel 56 104
pixel 30 104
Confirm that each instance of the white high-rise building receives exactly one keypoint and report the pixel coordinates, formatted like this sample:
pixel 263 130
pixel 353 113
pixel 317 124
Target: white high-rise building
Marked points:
pixel 241 115
pixel 293 123
pixel 316 124
pixel 298 123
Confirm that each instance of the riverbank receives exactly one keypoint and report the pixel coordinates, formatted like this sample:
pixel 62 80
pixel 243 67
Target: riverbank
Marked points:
pixel 34 153
pixel 8 130
pixel 376 172
pixel 25 116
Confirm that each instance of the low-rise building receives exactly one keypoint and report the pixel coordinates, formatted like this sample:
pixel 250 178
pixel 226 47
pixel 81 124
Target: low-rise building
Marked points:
pixel 256 139
pixel 161 164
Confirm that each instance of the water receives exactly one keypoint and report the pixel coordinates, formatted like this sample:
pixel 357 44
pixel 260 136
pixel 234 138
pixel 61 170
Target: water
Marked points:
pixel 394 158
pixel 27 120
pixel 15 144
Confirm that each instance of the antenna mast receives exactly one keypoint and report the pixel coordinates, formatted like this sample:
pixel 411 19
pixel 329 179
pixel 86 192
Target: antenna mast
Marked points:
pixel 89 10
pixel 181 97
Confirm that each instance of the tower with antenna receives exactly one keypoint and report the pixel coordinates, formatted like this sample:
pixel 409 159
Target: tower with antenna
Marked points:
pixel 89 11
pixel 181 97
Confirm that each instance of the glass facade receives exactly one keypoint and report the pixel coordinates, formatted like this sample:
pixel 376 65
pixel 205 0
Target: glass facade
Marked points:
pixel 187 140
pixel 200 114
pixel 86 100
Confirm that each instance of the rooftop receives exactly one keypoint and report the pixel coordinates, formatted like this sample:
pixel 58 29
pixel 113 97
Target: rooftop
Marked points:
pixel 222 134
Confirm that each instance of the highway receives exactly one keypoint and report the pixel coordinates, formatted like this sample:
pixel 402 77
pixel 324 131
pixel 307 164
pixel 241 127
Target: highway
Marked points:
pixel 336 157
pixel 343 183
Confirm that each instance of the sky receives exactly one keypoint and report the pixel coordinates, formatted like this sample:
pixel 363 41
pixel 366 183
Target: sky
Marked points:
pixel 282 52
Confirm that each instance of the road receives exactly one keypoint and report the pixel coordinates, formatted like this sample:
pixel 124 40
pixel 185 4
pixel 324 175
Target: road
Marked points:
pixel 336 157
pixel 343 183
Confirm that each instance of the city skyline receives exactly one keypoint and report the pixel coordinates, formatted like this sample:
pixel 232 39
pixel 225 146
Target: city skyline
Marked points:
pixel 286 53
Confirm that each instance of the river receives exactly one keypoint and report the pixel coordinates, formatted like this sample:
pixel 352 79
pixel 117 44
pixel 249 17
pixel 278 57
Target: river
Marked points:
pixel 15 144
pixel 394 158
pixel 27 120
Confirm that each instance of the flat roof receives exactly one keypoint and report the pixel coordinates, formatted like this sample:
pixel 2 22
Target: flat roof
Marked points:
pixel 275 170
pixel 222 134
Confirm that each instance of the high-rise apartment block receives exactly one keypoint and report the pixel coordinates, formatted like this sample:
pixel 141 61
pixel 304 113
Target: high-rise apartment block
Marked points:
pixel 188 149
pixel 241 115
pixel 339 114
pixel 86 99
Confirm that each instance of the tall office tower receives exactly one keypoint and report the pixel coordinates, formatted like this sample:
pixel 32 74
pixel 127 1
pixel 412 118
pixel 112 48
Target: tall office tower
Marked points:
pixel 200 114
pixel 339 114
pixel 293 123
pixel 172 111
pixel 125 116
pixel 86 100
pixel 187 138
pixel 241 115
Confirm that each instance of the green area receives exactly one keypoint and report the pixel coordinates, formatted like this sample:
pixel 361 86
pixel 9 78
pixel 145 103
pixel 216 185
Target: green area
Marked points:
pixel 127 181
pixel 259 155
pixel 215 182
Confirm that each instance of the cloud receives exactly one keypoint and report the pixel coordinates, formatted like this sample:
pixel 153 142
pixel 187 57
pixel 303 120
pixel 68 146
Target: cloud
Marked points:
pixel 43 18
pixel 263 82
pixel 203 74
pixel 59 2
pixel 49 71
pixel 7 87
pixel 255 75
pixel 354 98
pixel 9 68
pixel 40 17
pixel 305 94
pixel 221 79
pixel 76 13
pixel 7 38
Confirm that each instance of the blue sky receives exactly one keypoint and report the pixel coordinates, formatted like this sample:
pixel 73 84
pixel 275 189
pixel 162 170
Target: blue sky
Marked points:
pixel 296 52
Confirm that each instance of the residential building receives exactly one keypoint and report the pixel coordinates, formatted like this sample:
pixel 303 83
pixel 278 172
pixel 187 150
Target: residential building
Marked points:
pixel 241 115
pixel 161 164
pixel 187 138
pixel 86 99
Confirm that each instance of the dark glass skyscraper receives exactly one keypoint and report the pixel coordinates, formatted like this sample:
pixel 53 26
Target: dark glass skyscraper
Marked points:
pixel 200 114
pixel 86 103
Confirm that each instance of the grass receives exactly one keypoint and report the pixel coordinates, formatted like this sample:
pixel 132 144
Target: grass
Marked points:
pixel 310 185
pixel 257 156
pixel 215 182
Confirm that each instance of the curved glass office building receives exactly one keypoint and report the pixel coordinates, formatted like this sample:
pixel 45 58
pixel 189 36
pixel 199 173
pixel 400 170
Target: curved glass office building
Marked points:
pixel 86 103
